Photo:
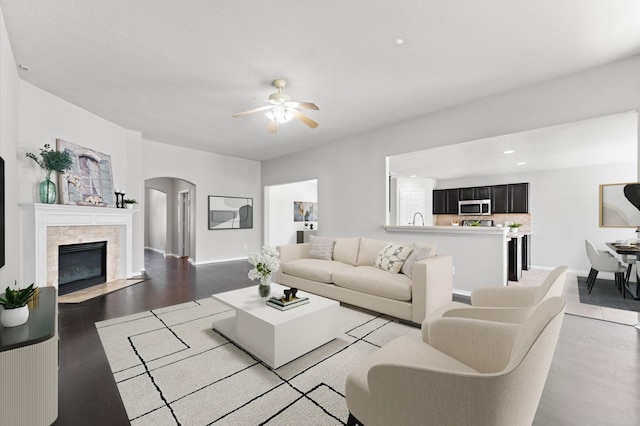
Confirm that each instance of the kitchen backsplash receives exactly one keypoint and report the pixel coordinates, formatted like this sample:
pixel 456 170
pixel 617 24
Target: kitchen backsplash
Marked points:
pixel 502 219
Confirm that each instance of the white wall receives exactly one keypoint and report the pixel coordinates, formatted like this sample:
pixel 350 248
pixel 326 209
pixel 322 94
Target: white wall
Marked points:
pixel 279 210
pixel 43 118
pixel 351 172
pixel 155 224
pixel 212 174
pixel 9 111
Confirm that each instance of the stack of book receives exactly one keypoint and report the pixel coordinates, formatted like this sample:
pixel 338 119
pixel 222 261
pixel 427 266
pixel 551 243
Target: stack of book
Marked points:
pixel 283 304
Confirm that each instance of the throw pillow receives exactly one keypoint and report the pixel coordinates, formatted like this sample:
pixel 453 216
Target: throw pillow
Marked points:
pixel 392 257
pixel 418 253
pixel 320 247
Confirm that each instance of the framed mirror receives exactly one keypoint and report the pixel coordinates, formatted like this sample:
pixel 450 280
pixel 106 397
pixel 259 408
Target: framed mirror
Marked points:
pixel 230 212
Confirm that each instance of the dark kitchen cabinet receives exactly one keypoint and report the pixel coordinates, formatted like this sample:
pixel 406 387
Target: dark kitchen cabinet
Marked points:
pixel 526 252
pixel 439 201
pixel 500 199
pixel 452 201
pixel 445 201
pixel 512 198
pixel 475 193
pixel 519 198
pixel 515 259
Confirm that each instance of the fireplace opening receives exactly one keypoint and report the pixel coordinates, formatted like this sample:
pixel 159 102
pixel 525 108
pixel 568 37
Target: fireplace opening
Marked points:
pixel 81 266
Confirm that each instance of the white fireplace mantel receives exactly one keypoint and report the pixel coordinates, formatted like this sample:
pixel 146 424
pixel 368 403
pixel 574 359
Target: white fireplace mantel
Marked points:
pixel 36 218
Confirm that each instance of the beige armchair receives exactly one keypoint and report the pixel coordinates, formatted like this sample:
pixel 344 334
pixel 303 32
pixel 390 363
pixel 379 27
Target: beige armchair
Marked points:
pixel 473 372
pixel 504 304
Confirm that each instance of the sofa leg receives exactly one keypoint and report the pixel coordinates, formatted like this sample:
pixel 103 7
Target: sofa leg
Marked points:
pixel 352 421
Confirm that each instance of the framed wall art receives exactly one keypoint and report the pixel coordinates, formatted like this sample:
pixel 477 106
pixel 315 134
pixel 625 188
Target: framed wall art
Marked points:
pixel 230 212
pixel 305 211
pixel 620 205
pixel 90 180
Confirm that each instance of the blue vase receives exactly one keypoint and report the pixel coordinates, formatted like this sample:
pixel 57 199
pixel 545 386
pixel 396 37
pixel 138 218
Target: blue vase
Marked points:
pixel 47 192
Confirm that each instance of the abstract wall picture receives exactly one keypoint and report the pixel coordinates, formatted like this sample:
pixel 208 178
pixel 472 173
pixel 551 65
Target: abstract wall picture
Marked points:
pixel 305 211
pixel 620 205
pixel 230 212
pixel 90 180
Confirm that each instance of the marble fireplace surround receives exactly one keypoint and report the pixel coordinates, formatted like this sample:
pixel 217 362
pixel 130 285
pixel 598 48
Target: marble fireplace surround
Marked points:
pixel 46 226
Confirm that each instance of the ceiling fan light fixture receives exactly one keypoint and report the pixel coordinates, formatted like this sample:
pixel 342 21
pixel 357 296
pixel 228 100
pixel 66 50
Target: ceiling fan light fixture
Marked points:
pixel 280 114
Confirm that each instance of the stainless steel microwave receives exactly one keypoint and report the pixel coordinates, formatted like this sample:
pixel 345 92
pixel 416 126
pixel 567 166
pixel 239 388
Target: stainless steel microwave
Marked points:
pixel 474 207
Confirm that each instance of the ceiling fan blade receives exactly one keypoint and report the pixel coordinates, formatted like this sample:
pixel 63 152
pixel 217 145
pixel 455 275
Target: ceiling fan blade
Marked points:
pixel 306 105
pixel 273 127
pixel 301 117
pixel 251 111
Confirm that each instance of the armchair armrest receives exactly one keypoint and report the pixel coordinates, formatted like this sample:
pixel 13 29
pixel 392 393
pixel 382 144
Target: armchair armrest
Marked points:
pixel 499 314
pixel 483 345
pixel 448 397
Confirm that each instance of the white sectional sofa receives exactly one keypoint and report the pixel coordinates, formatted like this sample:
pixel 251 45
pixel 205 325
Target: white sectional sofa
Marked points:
pixel 348 275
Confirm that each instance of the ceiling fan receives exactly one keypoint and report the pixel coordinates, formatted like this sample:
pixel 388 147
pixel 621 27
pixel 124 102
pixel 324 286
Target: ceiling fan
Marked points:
pixel 281 109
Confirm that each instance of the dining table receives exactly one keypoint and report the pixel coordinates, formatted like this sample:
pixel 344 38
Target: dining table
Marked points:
pixel 629 249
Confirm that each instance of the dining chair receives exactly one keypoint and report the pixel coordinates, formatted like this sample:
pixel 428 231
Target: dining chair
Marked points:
pixel 604 263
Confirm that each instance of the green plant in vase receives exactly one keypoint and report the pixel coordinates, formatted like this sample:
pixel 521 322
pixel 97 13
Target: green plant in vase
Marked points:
pixel 51 160
pixel 14 302
pixel 129 202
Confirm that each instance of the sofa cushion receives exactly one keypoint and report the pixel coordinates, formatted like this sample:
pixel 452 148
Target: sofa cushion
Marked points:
pixel 369 250
pixel 320 247
pixel 392 257
pixel 375 281
pixel 418 253
pixel 313 269
pixel 345 250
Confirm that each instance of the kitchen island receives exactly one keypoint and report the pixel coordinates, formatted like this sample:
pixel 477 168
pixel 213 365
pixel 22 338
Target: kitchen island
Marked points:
pixel 480 254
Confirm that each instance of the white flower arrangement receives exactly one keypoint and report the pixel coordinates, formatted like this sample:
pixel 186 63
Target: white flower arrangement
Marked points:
pixel 74 180
pixel 266 262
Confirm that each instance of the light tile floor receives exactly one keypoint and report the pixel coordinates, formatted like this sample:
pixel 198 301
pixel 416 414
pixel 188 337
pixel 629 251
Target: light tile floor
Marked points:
pixel 96 290
pixel 534 277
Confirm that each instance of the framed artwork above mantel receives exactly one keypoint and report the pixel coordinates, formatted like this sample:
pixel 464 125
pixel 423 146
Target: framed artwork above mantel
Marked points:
pixel 90 180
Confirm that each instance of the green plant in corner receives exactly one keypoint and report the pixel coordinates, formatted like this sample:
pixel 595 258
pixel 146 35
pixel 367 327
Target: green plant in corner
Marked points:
pixel 130 201
pixel 58 161
pixel 515 225
pixel 14 299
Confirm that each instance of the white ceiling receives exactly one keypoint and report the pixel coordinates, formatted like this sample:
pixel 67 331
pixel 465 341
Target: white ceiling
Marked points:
pixel 612 139
pixel 176 71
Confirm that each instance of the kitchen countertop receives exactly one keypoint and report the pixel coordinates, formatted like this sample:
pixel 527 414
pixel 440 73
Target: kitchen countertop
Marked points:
pixel 485 230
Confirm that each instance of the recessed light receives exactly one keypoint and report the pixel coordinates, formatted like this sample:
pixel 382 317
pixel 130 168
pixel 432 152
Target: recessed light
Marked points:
pixel 521 163
pixel 399 41
pixel 509 151
pixel 413 176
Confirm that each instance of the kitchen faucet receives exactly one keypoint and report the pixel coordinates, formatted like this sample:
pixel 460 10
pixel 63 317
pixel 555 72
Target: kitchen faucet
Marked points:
pixel 414 218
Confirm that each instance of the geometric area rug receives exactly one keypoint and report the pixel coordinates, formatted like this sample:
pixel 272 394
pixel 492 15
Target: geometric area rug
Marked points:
pixel 605 293
pixel 172 368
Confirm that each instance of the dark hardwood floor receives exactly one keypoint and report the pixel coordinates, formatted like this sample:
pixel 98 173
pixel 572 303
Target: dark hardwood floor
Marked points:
pixel 594 378
pixel 87 392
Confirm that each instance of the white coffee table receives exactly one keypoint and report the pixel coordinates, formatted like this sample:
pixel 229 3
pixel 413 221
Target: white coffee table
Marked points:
pixel 277 337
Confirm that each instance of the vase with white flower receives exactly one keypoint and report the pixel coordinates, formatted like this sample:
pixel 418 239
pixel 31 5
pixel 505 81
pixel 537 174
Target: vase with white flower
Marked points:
pixel 265 263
